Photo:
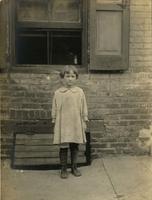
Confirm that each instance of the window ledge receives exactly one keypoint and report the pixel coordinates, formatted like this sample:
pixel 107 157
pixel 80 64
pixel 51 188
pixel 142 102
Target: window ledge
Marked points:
pixel 45 69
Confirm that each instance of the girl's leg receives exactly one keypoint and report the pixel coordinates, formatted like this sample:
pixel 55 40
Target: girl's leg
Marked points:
pixel 63 160
pixel 74 156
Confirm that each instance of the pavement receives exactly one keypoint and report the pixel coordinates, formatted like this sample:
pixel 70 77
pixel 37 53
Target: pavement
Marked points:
pixel 108 178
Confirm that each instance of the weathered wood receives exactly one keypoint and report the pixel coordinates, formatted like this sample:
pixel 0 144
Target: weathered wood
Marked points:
pixel 104 46
pixel 43 161
pixel 40 148
pixel 37 149
pixel 34 155
pixel 50 10
pixel 34 142
pixel 34 136
pixel 27 148
pixel 36 161
pixel 38 24
pixel 54 154
pixel 109 37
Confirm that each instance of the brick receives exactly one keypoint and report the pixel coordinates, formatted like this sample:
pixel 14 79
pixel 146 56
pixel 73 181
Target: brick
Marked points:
pixel 118 144
pixel 25 115
pixel 140 58
pixel 97 145
pixel 140 52
pixel 140 122
pixel 12 114
pixel 116 123
pixel 97 134
pixel 48 114
pixel 139 8
pixel 96 125
pixel 109 1
pixel 140 33
pixel 107 151
pixel 140 2
pixel 141 64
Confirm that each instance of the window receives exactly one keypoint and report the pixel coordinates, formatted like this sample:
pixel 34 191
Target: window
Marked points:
pixel 50 32
pixel 38 46
pixel 59 32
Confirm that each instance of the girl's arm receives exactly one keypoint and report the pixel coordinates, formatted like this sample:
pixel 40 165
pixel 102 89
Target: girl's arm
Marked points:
pixel 54 109
pixel 84 109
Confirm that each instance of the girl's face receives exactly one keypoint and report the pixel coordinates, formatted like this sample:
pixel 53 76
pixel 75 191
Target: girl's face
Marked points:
pixel 70 79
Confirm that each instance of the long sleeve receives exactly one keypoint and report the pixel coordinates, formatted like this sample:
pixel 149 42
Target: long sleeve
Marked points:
pixel 84 108
pixel 54 108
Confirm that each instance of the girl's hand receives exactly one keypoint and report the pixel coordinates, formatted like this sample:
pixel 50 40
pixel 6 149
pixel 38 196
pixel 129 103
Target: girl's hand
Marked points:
pixel 53 121
pixel 85 125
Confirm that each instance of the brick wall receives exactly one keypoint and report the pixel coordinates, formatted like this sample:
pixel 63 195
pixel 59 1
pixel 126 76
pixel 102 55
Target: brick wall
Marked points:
pixel 120 104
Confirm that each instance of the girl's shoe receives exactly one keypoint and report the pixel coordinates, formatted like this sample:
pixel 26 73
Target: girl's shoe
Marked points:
pixel 64 173
pixel 63 160
pixel 74 158
pixel 75 171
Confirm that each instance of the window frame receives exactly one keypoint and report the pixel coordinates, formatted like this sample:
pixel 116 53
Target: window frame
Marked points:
pixel 14 25
pixel 46 51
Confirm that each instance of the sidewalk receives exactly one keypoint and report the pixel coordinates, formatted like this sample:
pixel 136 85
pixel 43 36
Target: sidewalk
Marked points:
pixel 110 178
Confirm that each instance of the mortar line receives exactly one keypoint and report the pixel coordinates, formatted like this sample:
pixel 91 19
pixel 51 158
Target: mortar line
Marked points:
pixel 110 179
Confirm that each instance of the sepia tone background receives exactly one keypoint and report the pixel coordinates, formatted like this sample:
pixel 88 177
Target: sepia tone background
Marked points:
pixel 118 92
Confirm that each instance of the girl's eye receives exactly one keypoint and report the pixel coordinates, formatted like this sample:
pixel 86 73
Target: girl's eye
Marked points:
pixel 70 75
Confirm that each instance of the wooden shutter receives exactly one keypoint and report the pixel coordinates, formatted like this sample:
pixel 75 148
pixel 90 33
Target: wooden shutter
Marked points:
pixel 109 25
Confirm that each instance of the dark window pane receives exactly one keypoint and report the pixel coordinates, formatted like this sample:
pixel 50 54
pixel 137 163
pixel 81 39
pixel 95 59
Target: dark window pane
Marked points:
pixel 66 48
pixel 32 48
pixel 48 47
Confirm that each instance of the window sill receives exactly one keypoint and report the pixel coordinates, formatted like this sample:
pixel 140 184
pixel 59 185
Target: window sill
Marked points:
pixel 45 69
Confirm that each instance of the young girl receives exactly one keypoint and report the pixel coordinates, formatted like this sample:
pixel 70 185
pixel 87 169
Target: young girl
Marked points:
pixel 69 113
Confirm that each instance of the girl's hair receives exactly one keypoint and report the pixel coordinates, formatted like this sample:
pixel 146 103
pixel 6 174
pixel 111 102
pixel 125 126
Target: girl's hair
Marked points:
pixel 67 69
